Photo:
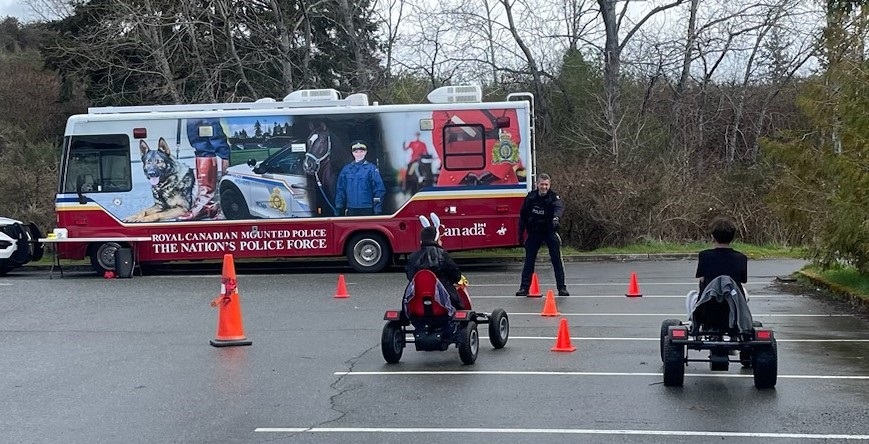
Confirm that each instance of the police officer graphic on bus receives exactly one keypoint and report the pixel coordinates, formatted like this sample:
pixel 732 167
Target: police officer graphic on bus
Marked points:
pixel 360 190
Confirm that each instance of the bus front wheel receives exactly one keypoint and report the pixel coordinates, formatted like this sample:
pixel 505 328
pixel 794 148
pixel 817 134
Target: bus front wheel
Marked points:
pixel 103 256
pixel 368 252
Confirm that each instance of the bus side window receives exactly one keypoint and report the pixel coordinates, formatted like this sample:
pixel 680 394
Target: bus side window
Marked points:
pixel 464 147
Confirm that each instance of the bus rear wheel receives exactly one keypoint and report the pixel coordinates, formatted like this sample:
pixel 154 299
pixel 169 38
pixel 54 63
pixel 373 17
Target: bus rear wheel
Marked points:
pixel 368 252
pixel 103 256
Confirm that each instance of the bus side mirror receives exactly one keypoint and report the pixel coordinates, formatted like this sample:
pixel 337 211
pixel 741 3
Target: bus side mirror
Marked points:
pixel 502 122
pixel 79 184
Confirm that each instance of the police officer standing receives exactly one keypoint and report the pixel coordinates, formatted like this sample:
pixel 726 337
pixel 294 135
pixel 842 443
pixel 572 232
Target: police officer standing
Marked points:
pixel 540 215
pixel 360 190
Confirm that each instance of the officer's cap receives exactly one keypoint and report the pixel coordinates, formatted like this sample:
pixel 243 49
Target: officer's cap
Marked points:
pixel 358 145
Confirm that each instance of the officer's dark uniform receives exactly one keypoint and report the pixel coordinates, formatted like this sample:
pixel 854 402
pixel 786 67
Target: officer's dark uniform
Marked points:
pixel 540 217
pixel 360 190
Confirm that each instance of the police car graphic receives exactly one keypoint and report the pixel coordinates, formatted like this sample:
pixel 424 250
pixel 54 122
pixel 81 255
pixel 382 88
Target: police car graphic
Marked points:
pixel 276 187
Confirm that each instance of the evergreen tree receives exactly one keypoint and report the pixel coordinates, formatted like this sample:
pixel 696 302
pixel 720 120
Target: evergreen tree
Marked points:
pixel 824 180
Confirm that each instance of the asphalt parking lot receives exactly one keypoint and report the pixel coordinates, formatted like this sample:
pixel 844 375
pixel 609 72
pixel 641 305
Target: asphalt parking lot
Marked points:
pixel 88 360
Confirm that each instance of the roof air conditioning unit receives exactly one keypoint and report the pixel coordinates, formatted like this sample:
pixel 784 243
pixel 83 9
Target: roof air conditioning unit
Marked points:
pixel 312 95
pixel 456 94
pixel 358 99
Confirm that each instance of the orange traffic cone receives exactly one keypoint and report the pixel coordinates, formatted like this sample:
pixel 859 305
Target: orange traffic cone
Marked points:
pixel 230 330
pixel 341 290
pixel 549 308
pixel 633 287
pixel 534 291
pixel 562 342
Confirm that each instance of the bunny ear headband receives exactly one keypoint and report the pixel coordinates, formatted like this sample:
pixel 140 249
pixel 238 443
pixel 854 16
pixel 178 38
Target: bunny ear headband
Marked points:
pixel 434 219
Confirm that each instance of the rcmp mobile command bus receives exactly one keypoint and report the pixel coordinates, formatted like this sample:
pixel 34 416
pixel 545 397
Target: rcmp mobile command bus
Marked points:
pixel 263 179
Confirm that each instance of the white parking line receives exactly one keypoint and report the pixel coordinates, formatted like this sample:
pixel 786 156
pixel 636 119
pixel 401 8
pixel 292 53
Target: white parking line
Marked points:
pixel 677 315
pixel 546 373
pixel 621 296
pixel 619 284
pixel 559 432
pixel 580 338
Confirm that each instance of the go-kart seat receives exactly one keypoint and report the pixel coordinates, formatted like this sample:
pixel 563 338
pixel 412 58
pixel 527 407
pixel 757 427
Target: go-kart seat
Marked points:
pixel 424 304
pixel 712 316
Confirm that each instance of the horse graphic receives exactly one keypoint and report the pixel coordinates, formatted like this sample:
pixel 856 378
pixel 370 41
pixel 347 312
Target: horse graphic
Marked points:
pixel 420 174
pixel 325 157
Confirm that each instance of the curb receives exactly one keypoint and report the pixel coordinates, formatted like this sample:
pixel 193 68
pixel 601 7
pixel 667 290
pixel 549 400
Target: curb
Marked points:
pixel 857 302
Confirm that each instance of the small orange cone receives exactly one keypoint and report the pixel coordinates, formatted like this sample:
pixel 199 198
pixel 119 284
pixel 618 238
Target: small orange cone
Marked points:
pixel 534 291
pixel 562 342
pixel 341 290
pixel 230 330
pixel 634 287
pixel 549 308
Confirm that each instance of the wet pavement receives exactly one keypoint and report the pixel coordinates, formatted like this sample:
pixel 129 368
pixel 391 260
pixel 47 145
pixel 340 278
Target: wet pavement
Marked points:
pixel 88 360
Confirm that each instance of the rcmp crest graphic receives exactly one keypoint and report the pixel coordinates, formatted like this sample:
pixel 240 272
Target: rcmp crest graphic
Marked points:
pixel 505 149
pixel 277 201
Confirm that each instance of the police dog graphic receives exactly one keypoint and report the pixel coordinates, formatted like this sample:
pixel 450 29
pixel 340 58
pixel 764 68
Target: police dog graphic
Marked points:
pixel 171 184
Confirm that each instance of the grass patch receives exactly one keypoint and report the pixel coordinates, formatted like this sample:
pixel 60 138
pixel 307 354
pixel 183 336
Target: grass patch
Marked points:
pixel 654 248
pixel 842 279
pixel 752 251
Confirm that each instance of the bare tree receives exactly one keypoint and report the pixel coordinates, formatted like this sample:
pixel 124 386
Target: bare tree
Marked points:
pixel 392 14
pixel 775 14
pixel 362 72
pixel 612 53
pixel 426 48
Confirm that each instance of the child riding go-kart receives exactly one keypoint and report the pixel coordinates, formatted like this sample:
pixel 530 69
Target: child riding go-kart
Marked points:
pixel 429 316
pixel 721 323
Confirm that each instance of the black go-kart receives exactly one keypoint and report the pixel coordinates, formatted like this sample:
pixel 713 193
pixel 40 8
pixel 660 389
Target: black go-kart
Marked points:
pixel 428 321
pixel 720 323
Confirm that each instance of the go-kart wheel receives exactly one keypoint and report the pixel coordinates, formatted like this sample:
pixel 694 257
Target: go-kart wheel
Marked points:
pixel 665 327
pixel 499 328
pixel 469 343
pixel 392 342
pixel 765 363
pixel 674 364
pixel 745 355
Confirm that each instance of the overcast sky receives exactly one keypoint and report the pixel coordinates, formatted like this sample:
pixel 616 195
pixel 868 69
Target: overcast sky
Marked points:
pixel 15 8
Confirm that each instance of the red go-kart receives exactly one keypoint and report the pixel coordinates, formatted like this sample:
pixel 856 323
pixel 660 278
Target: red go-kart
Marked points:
pixel 432 327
